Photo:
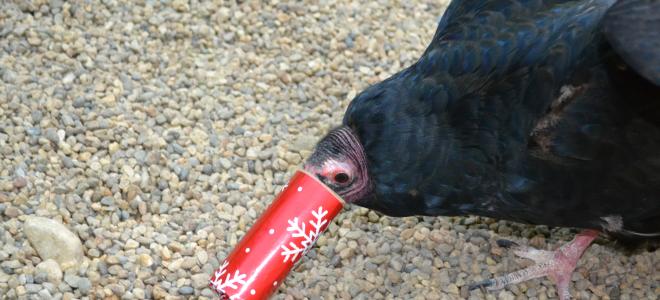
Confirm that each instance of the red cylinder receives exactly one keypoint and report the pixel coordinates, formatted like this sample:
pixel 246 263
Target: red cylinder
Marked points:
pixel 278 240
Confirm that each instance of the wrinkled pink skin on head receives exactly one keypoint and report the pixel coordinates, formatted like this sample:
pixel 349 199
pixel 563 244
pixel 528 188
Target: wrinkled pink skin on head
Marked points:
pixel 340 152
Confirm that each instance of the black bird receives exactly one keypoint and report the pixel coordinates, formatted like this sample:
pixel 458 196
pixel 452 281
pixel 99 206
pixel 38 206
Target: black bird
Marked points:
pixel 542 112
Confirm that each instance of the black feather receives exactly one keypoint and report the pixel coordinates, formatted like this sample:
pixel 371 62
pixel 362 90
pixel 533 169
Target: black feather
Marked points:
pixel 632 26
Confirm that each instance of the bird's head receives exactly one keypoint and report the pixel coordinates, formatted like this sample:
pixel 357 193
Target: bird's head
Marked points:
pixel 398 152
pixel 340 163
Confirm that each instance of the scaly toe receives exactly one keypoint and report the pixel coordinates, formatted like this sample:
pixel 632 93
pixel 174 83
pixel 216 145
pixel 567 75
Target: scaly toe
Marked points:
pixel 558 265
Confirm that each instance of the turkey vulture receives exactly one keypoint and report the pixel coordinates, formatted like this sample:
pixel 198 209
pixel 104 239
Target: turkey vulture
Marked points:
pixel 542 112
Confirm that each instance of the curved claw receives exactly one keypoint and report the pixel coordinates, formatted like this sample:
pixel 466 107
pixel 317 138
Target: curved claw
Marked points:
pixel 506 243
pixel 481 284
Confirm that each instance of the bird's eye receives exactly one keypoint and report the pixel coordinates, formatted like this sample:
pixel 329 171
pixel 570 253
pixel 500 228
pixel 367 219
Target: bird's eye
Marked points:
pixel 341 177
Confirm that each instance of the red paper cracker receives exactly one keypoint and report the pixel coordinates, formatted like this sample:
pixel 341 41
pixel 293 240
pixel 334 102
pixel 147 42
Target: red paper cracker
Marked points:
pixel 278 240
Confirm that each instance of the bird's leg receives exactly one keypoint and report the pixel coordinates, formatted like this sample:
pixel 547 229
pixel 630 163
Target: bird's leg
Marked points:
pixel 558 265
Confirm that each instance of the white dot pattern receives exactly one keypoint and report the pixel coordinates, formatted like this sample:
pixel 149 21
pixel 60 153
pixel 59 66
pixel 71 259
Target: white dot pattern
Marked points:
pixel 271 231
pixel 300 189
pixel 252 292
pixel 247 250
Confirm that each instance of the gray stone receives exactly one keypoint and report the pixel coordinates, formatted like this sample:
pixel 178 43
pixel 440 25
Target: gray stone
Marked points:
pixel 186 290
pixel 50 270
pixel 33 288
pixel 11 264
pixel 40 277
pixel 45 295
pixel 207 169
pixel 51 135
pixel 52 240
pixel 199 281
pixel 107 201
pixel 37 116
pixel 304 142
pixel 225 163
pixel 72 280
pixel 84 285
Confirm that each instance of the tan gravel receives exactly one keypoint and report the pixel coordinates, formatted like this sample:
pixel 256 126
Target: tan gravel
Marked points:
pixel 157 131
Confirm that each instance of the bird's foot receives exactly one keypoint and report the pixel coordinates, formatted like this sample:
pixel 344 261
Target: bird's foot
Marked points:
pixel 558 265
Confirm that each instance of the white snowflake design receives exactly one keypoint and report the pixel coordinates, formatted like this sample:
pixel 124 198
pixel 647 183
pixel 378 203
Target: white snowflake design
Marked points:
pixel 295 251
pixel 234 282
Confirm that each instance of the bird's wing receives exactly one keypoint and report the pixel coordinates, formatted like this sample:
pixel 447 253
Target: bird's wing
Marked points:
pixel 511 56
pixel 480 40
pixel 633 29
pixel 459 10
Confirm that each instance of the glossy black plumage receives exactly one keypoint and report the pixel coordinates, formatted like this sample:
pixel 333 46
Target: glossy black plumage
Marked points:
pixel 636 39
pixel 471 128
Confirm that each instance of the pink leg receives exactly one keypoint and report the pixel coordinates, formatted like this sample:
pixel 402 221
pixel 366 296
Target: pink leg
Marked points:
pixel 558 265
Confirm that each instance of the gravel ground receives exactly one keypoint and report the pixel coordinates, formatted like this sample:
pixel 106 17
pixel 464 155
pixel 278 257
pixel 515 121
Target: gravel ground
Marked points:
pixel 157 132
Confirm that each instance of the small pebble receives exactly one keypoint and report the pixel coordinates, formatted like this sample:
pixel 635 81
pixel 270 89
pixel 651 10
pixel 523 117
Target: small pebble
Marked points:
pixel 186 290
pixel 20 182
pixel 12 212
